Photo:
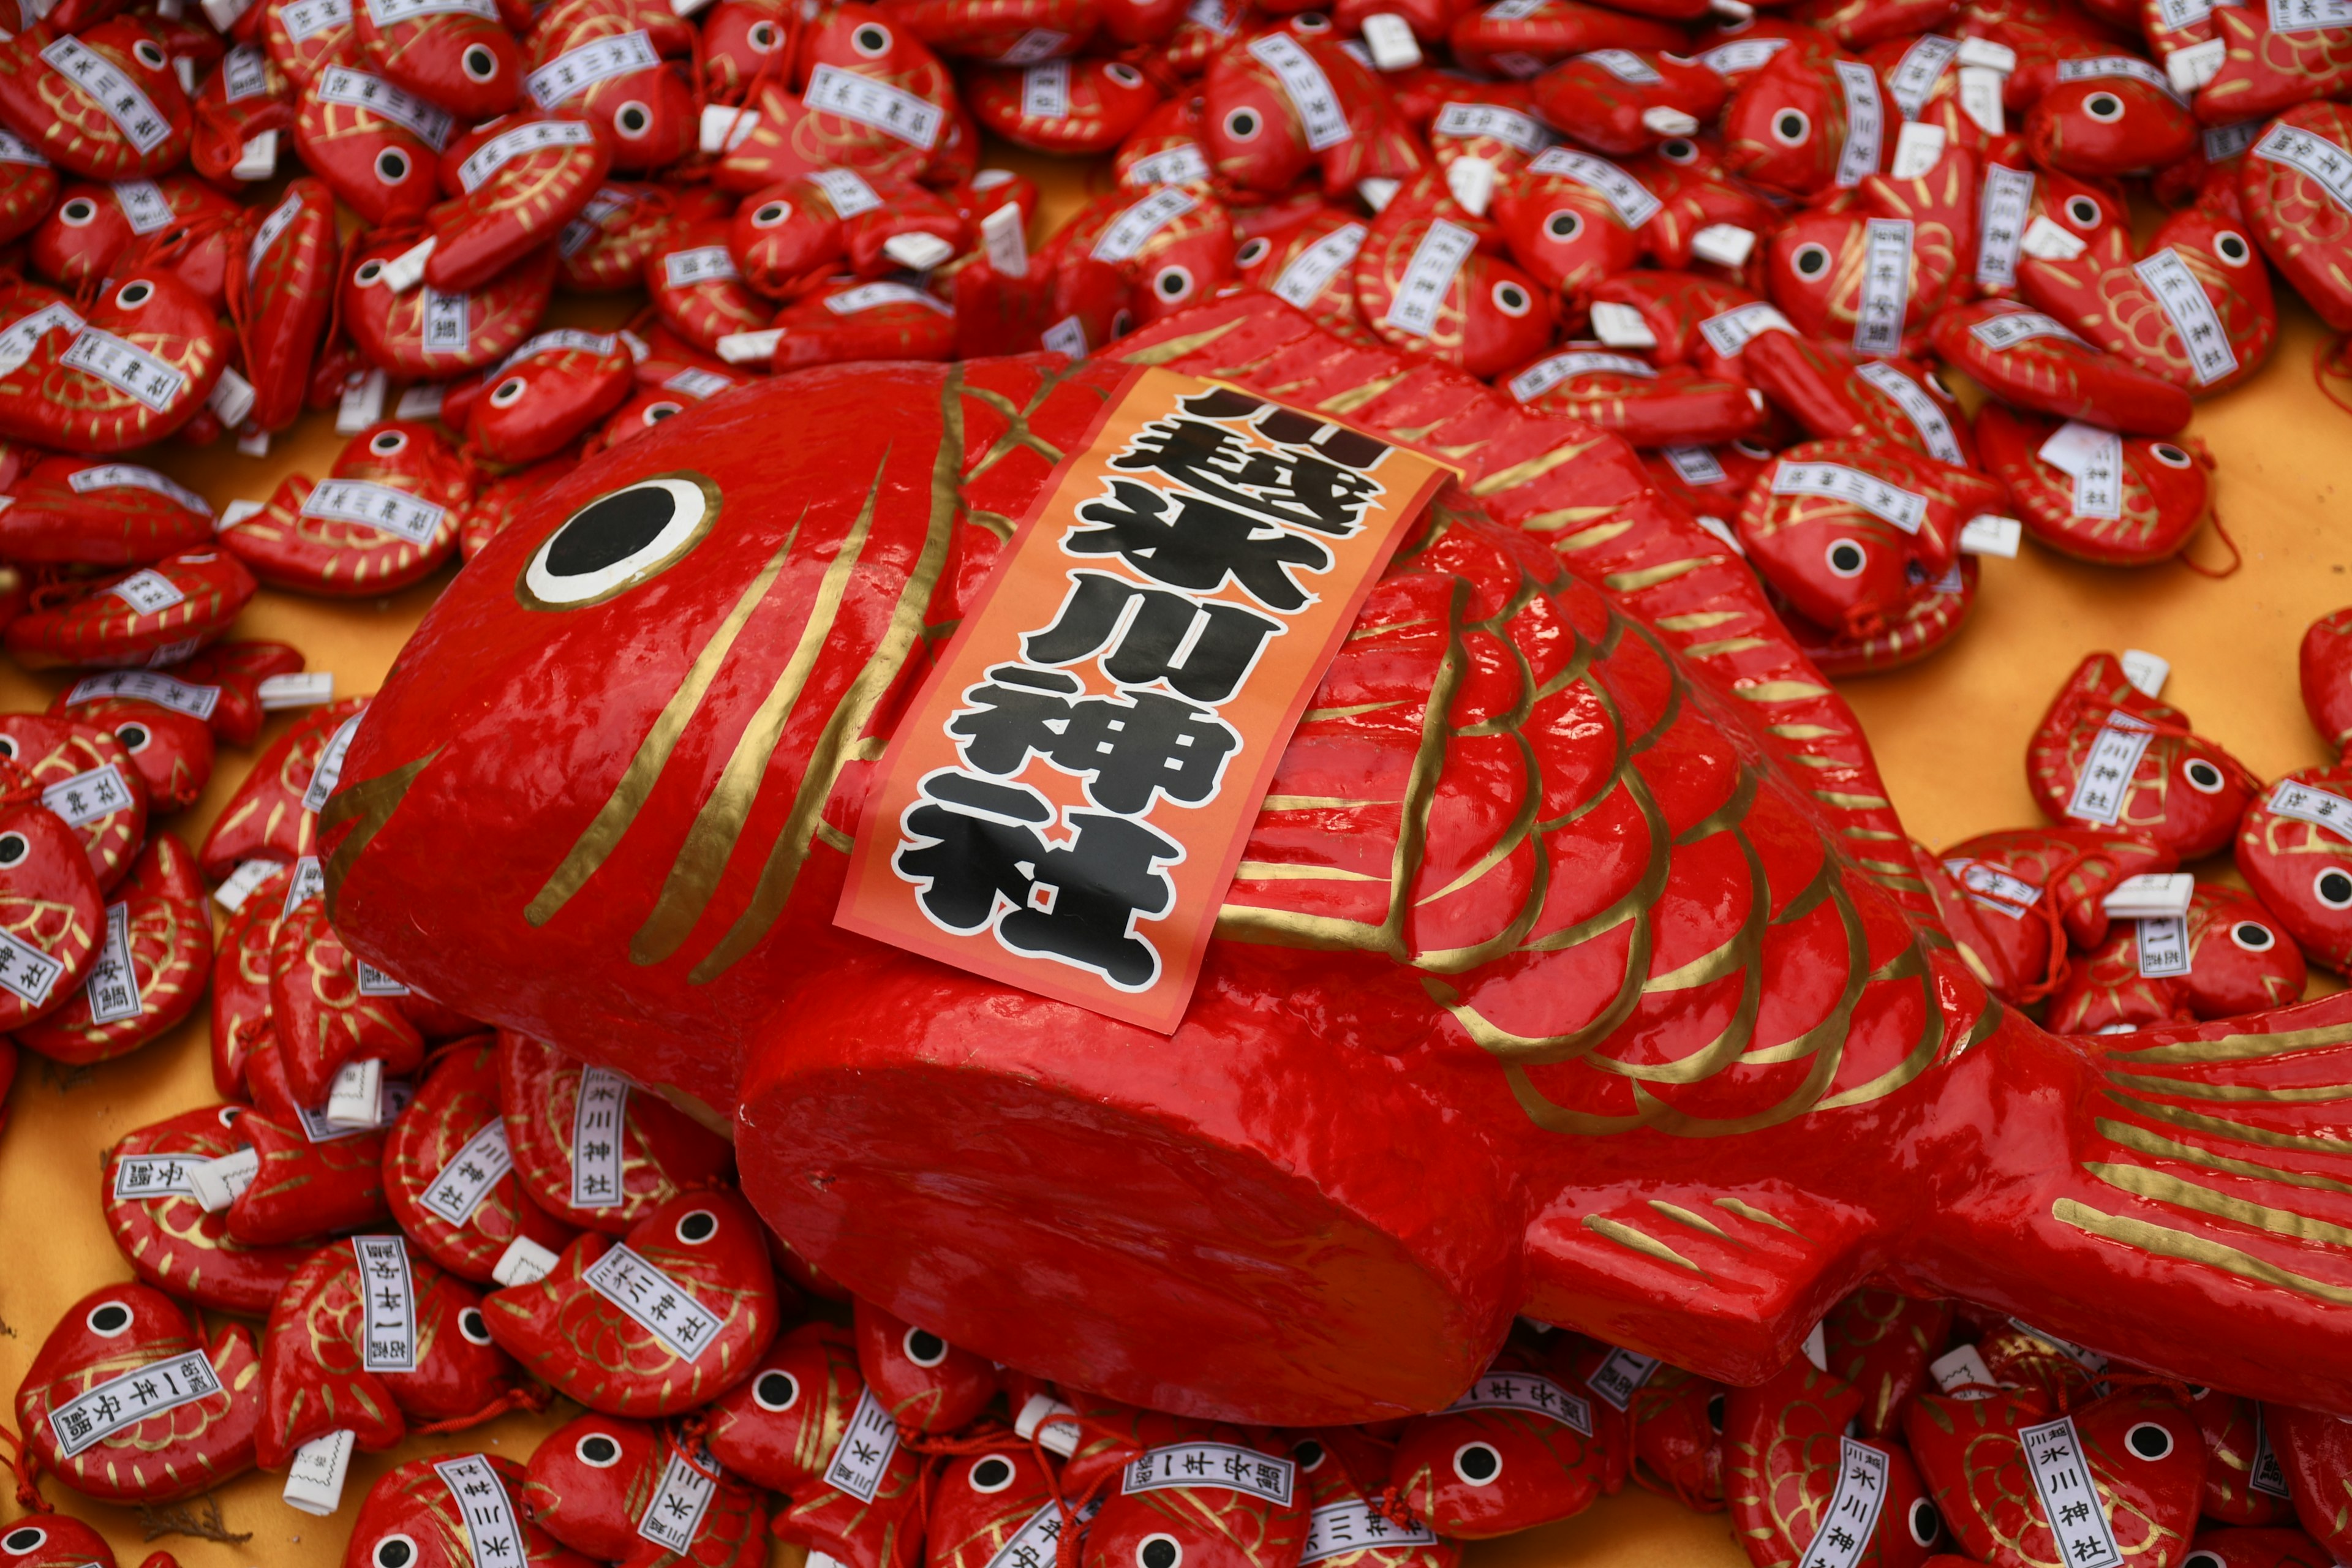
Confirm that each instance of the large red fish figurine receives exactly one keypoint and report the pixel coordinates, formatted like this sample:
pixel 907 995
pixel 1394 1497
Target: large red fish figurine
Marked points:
pixel 1575 965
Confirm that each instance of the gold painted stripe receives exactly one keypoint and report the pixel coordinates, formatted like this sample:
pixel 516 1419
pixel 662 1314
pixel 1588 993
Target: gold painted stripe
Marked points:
pixel 1807 760
pixel 1274 871
pixel 1696 1221
pixel 1312 715
pixel 1355 397
pixel 1847 802
pixel 2155 1186
pixel 1599 533
pixel 1804 732
pixel 602 835
pixel 1177 348
pixel 1700 620
pixel 2165 1242
pixel 1317 802
pixel 2221 1127
pixel 710 840
pixel 1651 576
pixel 1723 645
pixel 1749 1210
pixel 1780 691
pixel 2238 1048
pixel 1533 467
pixel 1647 1245
pixel 1554 520
pixel 2146 1143
pixel 2191 1089
pixel 1892 867
pixel 1359 633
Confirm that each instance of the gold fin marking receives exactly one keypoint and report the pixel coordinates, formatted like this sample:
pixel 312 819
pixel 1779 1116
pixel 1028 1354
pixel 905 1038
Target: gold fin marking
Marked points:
pixel 2158 1187
pixel 1625 1236
pixel 1698 1222
pixel 1749 1210
pixel 2164 1242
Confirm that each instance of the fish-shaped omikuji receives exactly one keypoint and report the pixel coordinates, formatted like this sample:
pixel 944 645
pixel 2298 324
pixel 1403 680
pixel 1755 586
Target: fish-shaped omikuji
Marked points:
pixel 437 1513
pixel 632 1493
pixel 166 1234
pixel 2107 754
pixel 1548 1053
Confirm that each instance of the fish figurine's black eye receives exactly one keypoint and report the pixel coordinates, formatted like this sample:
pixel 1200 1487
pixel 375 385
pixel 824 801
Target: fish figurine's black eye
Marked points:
pixel 618 540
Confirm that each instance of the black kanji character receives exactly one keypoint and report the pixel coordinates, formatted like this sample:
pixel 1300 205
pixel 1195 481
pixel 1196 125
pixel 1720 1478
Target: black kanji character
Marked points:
pixel 1285 485
pixel 1202 649
pixel 1188 542
pixel 1125 750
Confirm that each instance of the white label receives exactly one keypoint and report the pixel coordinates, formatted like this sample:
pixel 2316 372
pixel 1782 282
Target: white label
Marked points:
pixel 2163 945
pixel 145 203
pixel 356 1097
pixel 1507 126
pixel 1962 1373
pixel 308 881
pixel 308 19
pixel 470 1174
pixel 2223 143
pixel 1850 1520
pixel 2265 1475
pixel 111 87
pixel 698 382
pixel 596 1137
pixel 703 264
pixel 245 73
pixel 676 1513
pixel 1866 123
pixel 388 1294
pixel 1225 1464
pixel 2107 771
pixel 1697 465
pixel 876 104
pixel 1220 16
pixel 1915 76
pixel 448 320
pixel 148 592
pixel 1981 97
pixel 85 797
pixel 603 345
pixel 2325 162
pixel 2000 333
pixel 2309 16
pixel 330 771
pixel 606 204
pixel 2184 299
pixel 392 13
pixel 218 1183
pixel 1512 10
pixel 1037 1541
pixel 1732 331
pixel 23 334
pixel 2070 1497
pixel 1127 233
pixel 1625 65
pixel 250 875
pixel 2146 671
pixel 317 1129
pixel 1309 90
pixel 1312 269
pixel 1629 198
pixel 1182 166
pixel 303 688
pixel 660 1305
pixel 315 1477
pixel 112 988
pixel 27 972
pixel 2130 66
pixel 524 1262
pixel 873 296
pixel 1546 373
pixel 379 506
pixel 849 193
pixel 1527 1393
pixel 2096 459
pixel 1353 1526
pixel 357 90
pixel 1036 44
pixel 2149 893
pixel 1907 510
pixel 129 1398
pixel 1045 90
pixel 375 981
pixel 1621 1376
pixel 1885 287
pixel 1935 428
pixel 2308 802
pixel 508 145
pixel 2179 15
pixel 1436 261
pixel 1995 888
pixel 863 1457
pixel 574 71
pixel 1740 55
pixel 491 1533
pixel 14 149
pixel 130 476
pixel 124 367
pixel 146 1177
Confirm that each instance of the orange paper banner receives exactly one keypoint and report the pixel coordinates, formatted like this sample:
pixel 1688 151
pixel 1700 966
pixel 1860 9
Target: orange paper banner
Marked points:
pixel 1064 802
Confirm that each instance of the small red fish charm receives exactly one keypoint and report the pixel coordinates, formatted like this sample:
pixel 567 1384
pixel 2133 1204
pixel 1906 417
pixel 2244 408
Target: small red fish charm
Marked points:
pixel 1673 405
pixel 166 1234
pixel 374 144
pixel 155 616
pixel 1075 108
pixel 548 393
pixel 2228 956
pixel 285 291
pixel 460 55
pixel 438 1513
pixel 1620 102
pixel 2114 115
pixel 2325 672
pixel 2175 788
pixel 99 102
pixel 159 948
pixel 1820 384
pixel 94 226
pixel 2265 69
pixel 639 1496
pixel 696 287
pixel 384 517
pixel 592 1150
pixel 2244 1484
pixel 2314 1451
pixel 607 62
pixel 430 335
pixel 2097 494
pixel 2030 359
pixel 1795 1475
pixel 1433 285
pixel 847 320
pixel 2037 889
pixel 2301 222
pixel 1874 270
pixel 1518 1449
pixel 925 1384
pixel 1175 245
pixel 1808 121
pixel 448 1175
pixel 140 367
pixel 604 248
pixel 2294 850
pixel 99 512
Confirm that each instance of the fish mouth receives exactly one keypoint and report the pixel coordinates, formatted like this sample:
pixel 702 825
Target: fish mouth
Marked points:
pixel 370 804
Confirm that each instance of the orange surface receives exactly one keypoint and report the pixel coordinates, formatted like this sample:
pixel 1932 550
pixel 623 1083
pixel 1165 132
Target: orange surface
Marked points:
pixel 1951 736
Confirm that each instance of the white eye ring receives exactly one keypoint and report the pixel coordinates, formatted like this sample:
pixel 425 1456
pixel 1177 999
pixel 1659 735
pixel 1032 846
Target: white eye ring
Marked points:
pixel 14 848
pixel 1792 127
pixel 1244 124
pixel 655 413
pixel 473 1327
pixel 1851 552
pixel 78 212
pixel 693 508
pixel 2337 878
pixel 766 1398
pixel 1252 252
pixel 508 392
pixel 2227 241
pixel 704 1231
pixel 1124 74
pixel 133 294
pixel 2132 1441
pixel 2170 456
pixel 148 53
pixel 393 166
pixel 367 273
pixel 114 1328
pixel 2203 776
pixel 1511 299
pixel 2082 211
pixel 2253 936
pixel 926 1356
pixel 2103 107
pixel 1004 1475
pixel 22 1541
pixel 1480 1457
pixel 1564 224
pixel 1924 1531
pixel 394 1551
pixel 489 68
pixel 1678 150
pixel 768 215
pixel 1818 254
pixel 1172 282
pixel 762 37
pixel 387 442
pixel 871 40
pixel 580 1449
pixel 632 119
pixel 1159 1551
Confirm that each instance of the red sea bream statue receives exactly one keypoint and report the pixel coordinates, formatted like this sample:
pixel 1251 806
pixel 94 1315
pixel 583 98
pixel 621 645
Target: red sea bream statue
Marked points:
pixel 1571 962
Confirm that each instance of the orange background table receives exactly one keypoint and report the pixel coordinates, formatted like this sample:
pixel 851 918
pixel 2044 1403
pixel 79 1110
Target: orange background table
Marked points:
pixel 1951 736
